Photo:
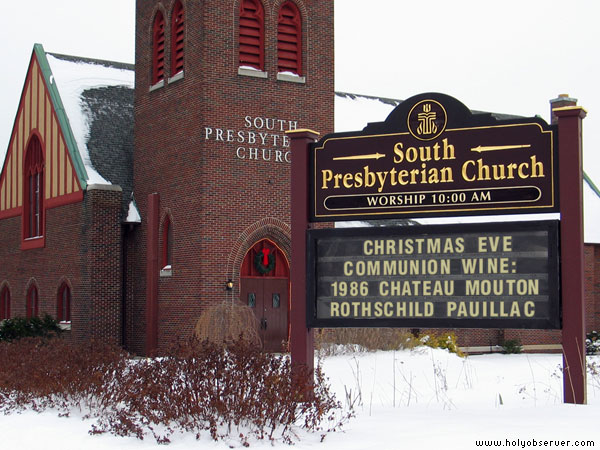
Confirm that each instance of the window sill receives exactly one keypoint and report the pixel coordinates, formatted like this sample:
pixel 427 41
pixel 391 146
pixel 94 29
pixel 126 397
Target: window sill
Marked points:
pixel 178 76
pixel 35 242
pixel 156 86
pixel 166 272
pixel 252 72
pixel 65 326
pixel 292 78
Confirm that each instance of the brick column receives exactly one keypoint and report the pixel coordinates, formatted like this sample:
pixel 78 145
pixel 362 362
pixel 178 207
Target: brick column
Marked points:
pixel 104 250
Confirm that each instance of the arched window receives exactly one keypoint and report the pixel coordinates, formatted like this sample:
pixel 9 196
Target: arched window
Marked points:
pixel 4 303
pixel 33 208
pixel 167 245
pixel 63 303
pixel 252 34
pixel 177 38
pixel 158 48
pixel 289 39
pixel 33 302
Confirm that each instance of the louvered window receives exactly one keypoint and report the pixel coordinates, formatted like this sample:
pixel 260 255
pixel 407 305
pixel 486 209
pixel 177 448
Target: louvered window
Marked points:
pixel 5 303
pixel 177 39
pixel 289 39
pixel 34 190
pixel 63 304
pixel 33 302
pixel 158 48
pixel 252 40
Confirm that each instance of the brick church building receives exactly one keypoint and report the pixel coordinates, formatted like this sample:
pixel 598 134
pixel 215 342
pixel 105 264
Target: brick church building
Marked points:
pixel 133 197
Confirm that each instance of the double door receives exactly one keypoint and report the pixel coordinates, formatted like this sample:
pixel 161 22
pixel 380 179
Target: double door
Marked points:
pixel 268 297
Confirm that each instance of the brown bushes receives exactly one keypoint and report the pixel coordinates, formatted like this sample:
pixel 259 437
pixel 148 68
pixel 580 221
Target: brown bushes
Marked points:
pixel 199 387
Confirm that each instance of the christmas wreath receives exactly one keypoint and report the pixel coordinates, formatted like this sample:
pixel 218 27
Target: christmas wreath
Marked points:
pixel 264 261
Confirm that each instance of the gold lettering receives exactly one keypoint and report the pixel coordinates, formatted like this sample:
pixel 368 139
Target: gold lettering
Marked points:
pixel 334 309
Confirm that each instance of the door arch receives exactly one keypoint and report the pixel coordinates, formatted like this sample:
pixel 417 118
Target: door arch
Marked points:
pixel 265 287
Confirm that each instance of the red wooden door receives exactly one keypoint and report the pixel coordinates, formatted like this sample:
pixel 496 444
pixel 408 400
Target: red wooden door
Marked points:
pixel 265 288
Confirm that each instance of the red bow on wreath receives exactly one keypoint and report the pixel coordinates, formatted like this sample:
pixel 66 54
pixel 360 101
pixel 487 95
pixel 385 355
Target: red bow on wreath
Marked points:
pixel 265 252
pixel 264 261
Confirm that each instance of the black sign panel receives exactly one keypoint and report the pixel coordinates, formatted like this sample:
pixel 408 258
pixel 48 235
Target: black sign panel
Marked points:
pixel 494 275
pixel 434 157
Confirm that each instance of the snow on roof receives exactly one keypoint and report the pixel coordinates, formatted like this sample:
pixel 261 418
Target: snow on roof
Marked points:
pixel 74 76
pixel 353 112
pixel 133 214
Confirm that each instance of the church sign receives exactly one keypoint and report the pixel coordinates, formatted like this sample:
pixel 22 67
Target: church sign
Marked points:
pixel 434 157
pixel 494 275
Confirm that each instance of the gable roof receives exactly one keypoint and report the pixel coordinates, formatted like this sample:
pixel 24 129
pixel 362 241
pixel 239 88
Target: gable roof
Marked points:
pixel 83 110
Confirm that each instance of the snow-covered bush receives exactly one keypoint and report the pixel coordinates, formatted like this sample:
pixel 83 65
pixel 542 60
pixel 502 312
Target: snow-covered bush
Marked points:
pixel 592 343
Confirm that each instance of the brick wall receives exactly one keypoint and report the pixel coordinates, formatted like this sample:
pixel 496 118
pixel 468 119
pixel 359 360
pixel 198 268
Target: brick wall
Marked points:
pixel 103 249
pixel 83 250
pixel 211 188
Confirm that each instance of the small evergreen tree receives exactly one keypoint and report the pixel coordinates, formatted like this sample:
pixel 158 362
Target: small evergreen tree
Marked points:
pixel 20 327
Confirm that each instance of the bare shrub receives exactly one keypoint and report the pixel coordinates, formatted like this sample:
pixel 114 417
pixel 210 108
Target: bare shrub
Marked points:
pixel 39 373
pixel 237 392
pixel 226 323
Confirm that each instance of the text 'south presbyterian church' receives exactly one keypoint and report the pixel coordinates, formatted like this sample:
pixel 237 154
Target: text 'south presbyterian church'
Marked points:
pixel 128 232
pixel 132 198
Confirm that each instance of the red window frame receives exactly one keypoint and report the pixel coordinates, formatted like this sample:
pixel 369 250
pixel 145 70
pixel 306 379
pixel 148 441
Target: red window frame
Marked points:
pixel 63 303
pixel 252 34
pixel 33 302
pixel 4 303
pixel 33 195
pixel 158 48
pixel 177 38
pixel 167 244
pixel 289 39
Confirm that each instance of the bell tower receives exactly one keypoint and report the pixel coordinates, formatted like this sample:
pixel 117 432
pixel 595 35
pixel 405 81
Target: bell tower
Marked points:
pixel 217 86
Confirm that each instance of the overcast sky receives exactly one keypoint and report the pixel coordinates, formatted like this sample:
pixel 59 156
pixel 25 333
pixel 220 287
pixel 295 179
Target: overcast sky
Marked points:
pixel 511 56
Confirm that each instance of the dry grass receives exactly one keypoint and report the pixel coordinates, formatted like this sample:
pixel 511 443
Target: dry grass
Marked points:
pixel 226 323
pixel 332 341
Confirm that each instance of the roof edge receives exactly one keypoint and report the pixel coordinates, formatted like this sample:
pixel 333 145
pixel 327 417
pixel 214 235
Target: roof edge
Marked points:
pixel 591 184
pixel 61 114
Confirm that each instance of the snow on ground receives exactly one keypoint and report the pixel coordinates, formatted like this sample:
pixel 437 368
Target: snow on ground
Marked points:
pixel 406 399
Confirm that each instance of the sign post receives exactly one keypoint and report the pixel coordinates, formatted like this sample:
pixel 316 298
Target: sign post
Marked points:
pixel 301 337
pixel 571 227
pixel 433 157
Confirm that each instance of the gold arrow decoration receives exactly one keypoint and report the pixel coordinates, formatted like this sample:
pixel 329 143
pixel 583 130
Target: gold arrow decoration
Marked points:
pixel 353 157
pixel 491 148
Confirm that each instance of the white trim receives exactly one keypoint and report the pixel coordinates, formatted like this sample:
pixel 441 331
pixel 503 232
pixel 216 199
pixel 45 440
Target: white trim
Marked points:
pixel 178 76
pixel 282 76
pixel 248 72
pixel 156 86
pixel 65 326
pixel 104 187
pixel 166 271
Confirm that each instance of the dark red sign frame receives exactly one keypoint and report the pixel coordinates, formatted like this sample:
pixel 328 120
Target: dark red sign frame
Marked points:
pixel 466 164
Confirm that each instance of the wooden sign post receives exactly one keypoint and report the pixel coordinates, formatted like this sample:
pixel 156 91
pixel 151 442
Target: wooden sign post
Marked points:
pixel 301 337
pixel 571 227
pixel 433 157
